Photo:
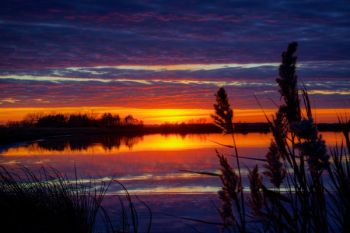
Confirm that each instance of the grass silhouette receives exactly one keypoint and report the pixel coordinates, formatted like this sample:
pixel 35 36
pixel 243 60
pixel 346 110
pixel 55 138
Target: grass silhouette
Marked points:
pixel 297 197
pixel 49 202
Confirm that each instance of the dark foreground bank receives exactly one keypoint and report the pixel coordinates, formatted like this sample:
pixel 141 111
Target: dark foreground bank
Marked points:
pixel 46 201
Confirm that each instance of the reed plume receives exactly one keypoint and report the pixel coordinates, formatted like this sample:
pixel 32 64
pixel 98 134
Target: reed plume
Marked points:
pixel 223 112
pixel 275 169
pixel 256 195
pixel 288 84
pixel 232 182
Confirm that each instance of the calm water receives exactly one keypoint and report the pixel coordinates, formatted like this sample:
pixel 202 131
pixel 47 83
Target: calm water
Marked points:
pixel 150 167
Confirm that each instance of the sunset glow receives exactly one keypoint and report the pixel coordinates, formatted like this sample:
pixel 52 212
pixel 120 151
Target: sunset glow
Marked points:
pixel 174 116
pixel 159 116
pixel 114 60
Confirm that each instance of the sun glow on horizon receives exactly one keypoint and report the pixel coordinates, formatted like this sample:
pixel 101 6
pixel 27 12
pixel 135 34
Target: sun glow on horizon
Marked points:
pixel 162 115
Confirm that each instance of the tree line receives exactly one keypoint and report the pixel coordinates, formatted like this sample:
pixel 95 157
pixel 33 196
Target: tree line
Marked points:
pixel 76 120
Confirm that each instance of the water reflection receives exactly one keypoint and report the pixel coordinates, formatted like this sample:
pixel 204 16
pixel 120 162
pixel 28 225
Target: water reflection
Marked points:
pixel 152 163
pixel 107 143
pixel 152 166
pixel 84 144
pixel 156 142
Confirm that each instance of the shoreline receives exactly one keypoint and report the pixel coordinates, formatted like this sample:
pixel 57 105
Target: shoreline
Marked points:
pixel 15 135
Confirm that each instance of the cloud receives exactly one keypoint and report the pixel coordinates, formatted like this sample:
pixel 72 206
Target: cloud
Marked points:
pixel 168 53
pixel 329 92
pixel 76 33
pixel 8 101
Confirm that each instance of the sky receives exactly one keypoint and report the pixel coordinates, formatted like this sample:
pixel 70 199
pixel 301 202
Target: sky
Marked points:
pixel 164 60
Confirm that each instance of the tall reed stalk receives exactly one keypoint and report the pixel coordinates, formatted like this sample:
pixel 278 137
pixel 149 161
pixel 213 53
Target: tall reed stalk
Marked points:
pixel 296 198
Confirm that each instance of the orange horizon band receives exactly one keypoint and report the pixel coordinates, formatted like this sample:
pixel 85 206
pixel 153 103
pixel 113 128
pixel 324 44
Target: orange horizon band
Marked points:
pixel 171 115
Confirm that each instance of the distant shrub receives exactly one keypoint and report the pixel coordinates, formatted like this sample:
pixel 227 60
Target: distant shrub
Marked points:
pixel 106 120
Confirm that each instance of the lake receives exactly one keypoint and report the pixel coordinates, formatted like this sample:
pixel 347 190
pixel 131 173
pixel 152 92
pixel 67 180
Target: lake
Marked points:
pixel 153 167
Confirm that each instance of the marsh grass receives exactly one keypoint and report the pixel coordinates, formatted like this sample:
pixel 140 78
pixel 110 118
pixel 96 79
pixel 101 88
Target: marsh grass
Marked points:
pixel 47 201
pixel 296 197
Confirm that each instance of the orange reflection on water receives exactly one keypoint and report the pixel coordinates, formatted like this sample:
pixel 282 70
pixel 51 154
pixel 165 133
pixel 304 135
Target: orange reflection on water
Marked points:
pixel 154 142
pixel 151 143
pixel 153 163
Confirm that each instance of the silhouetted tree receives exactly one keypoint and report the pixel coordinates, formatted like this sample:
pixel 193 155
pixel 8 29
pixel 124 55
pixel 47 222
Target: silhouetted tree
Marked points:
pixel 109 120
pixel 130 120
pixel 58 120
pixel 79 120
